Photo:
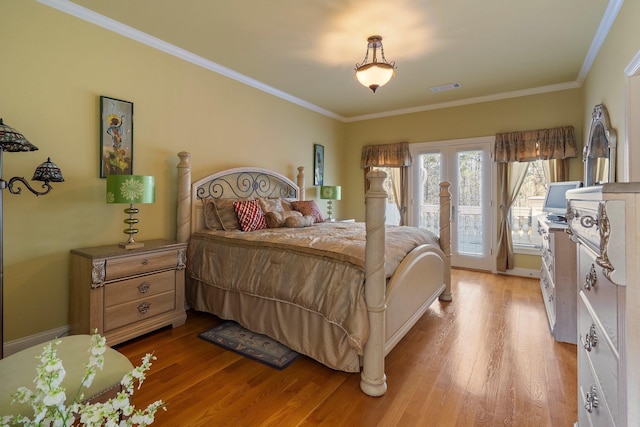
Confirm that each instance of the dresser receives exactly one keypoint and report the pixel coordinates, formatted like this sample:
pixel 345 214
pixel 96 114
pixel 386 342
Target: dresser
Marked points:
pixel 604 222
pixel 558 279
pixel 126 293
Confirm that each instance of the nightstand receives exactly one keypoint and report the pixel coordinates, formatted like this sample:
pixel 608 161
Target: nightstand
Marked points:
pixel 126 293
pixel 340 220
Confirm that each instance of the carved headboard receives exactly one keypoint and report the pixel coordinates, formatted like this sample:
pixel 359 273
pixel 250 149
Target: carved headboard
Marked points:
pixel 242 183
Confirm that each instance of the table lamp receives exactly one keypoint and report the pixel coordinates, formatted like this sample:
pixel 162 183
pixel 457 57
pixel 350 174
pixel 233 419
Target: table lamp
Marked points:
pixel 330 193
pixel 131 189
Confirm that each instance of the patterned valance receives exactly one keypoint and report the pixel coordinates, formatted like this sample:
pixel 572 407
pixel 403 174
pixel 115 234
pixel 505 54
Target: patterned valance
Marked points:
pixel 530 145
pixel 386 155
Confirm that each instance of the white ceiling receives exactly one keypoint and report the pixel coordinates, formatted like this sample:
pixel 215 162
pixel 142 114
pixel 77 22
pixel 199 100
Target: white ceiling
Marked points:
pixel 305 51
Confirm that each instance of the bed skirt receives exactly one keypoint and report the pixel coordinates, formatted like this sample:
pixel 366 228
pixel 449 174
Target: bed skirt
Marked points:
pixel 299 329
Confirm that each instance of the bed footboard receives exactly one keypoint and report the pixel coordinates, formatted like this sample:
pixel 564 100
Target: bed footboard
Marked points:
pixel 421 278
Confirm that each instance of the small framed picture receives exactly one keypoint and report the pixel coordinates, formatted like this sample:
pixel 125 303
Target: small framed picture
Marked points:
pixel 318 164
pixel 116 137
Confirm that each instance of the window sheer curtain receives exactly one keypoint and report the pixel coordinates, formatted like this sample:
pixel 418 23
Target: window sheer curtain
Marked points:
pixel 512 151
pixel 395 156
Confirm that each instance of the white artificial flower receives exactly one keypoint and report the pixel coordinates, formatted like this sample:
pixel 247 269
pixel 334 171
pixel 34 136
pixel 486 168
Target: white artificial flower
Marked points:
pixel 48 399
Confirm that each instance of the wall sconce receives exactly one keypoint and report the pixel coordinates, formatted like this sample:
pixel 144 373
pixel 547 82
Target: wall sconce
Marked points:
pixel 13 141
pixel 375 74
pixel 331 193
pixel 131 189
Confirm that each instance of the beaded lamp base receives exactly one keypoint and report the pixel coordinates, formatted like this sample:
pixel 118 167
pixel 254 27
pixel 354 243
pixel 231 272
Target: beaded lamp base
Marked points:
pixel 131 244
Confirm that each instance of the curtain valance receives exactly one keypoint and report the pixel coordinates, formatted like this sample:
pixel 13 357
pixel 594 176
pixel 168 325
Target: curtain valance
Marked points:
pixel 386 155
pixel 543 144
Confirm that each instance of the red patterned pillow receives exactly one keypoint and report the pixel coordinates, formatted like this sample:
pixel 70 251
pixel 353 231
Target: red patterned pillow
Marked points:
pixel 250 216
pixel 308 207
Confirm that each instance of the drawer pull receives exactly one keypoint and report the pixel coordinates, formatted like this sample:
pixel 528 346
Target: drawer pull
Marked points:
pixel 591 338
pixel 143 288
pixel 145 262
pixel 588 221
pixel 144 308
pixel 592 399
pixel 591 279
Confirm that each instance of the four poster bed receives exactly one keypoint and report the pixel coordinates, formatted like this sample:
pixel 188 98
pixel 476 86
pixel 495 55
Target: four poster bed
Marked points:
pixel 375 282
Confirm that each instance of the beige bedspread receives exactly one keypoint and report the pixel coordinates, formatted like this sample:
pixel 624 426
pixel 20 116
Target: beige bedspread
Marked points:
pixel 319 269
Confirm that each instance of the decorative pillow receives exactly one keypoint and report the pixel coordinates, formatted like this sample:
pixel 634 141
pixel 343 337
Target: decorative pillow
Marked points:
pixel 308 207
pixel 270 205
pixel 286 205
pixel 277 219
pixel 299 221
pixel 250 216
pixel 219 214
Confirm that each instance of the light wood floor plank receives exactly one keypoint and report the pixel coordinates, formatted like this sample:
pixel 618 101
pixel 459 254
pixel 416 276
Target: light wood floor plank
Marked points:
pixel 486 359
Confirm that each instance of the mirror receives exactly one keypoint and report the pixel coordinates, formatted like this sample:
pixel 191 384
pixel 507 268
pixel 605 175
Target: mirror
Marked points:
pixel 599 155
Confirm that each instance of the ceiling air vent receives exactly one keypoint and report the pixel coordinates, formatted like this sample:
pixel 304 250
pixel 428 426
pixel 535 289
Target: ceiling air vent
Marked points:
pixel 446 87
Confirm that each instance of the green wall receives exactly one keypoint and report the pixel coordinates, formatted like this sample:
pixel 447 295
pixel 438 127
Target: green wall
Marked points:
pixel 57 66
pixel 54 70
pixel 525 113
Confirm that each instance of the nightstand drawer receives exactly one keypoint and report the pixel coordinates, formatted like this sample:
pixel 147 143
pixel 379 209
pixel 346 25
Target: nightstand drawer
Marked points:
pixel 140 264
pixel 140 287
pixel 134 311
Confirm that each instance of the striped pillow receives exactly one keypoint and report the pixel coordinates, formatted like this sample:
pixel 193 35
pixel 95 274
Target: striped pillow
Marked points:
pixel 250 216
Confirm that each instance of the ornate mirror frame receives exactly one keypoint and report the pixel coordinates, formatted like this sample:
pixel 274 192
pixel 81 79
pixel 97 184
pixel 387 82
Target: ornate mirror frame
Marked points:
pixel 599 155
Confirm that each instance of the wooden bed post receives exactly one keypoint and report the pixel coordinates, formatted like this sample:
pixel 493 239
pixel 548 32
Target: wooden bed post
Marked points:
pixel 373 380
pixel 445 236
pixel 183 219
pixel 301 186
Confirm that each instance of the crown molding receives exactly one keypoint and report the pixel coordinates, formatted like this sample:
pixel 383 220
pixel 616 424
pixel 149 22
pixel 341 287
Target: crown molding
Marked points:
pixel 154 42
pixel 85 14
pixel 468 101
pixel 610 14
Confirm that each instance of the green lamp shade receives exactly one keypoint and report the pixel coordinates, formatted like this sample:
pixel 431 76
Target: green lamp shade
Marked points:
pixel 331 192
pixel 131 189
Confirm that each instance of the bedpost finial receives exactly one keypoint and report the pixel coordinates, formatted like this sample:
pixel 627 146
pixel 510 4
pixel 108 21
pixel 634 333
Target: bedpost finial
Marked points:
pixel 184 159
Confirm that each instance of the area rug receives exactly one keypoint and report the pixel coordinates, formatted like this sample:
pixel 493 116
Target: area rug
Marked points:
pixel 261 348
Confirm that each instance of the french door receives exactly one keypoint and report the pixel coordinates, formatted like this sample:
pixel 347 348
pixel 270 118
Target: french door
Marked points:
pixel 467 165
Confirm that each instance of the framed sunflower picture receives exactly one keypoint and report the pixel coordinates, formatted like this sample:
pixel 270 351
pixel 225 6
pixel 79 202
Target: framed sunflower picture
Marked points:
pixel 116 137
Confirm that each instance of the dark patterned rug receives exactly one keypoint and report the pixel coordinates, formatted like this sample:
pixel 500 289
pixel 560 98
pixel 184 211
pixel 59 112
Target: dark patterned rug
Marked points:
pixel 260 348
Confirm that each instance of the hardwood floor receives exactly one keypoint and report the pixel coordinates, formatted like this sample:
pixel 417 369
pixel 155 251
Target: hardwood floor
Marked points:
pixel 486 359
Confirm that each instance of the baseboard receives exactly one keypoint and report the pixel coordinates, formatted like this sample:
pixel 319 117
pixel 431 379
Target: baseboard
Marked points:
pixel 11 347
pixel 522 272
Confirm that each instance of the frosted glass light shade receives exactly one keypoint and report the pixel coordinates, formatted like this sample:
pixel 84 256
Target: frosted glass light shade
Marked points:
pixel 375 75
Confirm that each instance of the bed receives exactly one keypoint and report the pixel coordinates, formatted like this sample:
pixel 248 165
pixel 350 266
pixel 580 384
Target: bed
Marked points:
pixel 371 295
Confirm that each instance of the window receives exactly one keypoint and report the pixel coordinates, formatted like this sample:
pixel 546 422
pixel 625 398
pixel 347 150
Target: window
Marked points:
pixel 392 213
pixel 526 209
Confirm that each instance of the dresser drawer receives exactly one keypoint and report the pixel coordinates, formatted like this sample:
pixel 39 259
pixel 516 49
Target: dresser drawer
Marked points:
pixel 600 352
pixel 548 251
pixel 134 311
pixel 599 292
pixel 548 296
pixel 583 221
pixel 591 415
pixel 140 264
pixel 139 287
